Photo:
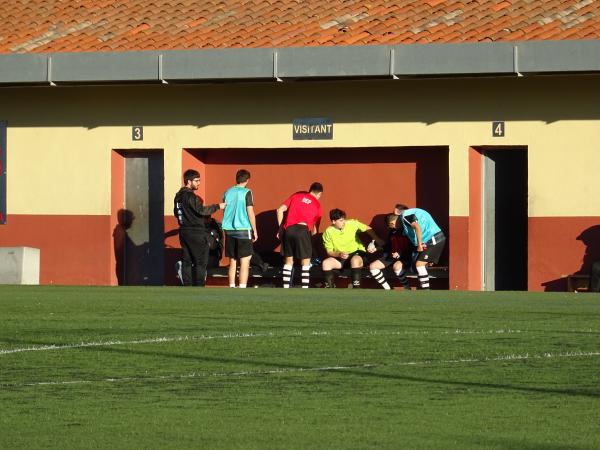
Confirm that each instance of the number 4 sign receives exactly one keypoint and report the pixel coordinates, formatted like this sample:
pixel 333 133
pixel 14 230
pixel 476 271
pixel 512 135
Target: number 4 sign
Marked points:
pixel 497 129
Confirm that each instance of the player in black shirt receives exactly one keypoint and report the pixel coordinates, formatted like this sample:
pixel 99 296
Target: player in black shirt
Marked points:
pixel 191 215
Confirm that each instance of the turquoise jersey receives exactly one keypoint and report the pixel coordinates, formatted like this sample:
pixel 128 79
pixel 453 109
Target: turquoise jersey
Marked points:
pixel 235 216
pixel 428 226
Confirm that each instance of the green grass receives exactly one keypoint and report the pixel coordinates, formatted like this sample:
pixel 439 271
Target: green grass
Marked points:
pixel 297 369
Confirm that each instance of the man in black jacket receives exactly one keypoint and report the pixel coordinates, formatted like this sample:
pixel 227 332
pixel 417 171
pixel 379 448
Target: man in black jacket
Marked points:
pixel 193 234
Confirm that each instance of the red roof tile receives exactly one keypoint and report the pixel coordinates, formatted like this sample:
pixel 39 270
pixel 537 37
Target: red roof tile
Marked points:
pixel 33 26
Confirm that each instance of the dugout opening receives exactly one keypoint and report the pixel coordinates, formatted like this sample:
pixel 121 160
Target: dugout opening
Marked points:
pixel 504 217
pixel 364 182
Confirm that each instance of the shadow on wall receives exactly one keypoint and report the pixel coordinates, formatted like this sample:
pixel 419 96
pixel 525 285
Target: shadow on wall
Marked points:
pixel 122 243
pixel 172 255
pixel 267 244
pixel 590 237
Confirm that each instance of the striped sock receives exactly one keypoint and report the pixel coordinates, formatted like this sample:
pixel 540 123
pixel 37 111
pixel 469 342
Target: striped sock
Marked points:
pixel 287 276
pixel 378 275
pixel 402 278
pixel 423 277
pixel 305 276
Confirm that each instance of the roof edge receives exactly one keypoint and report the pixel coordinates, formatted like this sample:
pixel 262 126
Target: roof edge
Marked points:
pixel 340 62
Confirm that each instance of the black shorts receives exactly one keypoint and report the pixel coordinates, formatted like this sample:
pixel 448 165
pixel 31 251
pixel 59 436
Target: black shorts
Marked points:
pixel 297 242
pixel 388 261
pixel 346 262
pixel 237 248
pixel 434 250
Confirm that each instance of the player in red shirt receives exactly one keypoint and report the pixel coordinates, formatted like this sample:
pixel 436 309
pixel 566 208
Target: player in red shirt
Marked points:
pixel 303 215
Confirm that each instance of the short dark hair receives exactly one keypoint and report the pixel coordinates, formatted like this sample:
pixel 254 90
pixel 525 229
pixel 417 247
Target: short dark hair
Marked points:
pixel 316 187
pixel 401 207
pixel 242 176
pixel 189 175
pixel 390 218
pixel 336 214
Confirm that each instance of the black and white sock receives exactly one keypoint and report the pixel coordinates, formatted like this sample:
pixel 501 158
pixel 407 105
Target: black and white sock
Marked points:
pixel 305 276
pixel 287 276
pixel 402 278
pixel 423 277
pixel 378 275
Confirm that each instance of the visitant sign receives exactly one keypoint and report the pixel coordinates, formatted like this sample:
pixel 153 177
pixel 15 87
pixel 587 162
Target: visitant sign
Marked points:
pixel 2 172
pixel 314 128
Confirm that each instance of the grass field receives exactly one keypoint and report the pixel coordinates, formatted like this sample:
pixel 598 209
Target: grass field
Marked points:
pixel 92 367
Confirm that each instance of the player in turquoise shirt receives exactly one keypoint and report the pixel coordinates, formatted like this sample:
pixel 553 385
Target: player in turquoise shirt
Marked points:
pixel 239 224
pixel 426 236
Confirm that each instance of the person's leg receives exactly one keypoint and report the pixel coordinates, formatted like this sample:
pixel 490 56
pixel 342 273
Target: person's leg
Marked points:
pixel 328 265
pixel 288 265
pixel 244 270
pixel 305 272
pixel 186 259
pixel 356 265
pixel 422 274
pixel 288 248
pixel 200 261
pixel 401 274
pixel 430 255
pixel 304 251
pixel 232 272
pixel 376 268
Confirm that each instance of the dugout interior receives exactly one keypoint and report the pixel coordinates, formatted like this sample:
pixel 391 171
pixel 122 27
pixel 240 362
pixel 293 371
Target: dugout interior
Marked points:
pixel 364 182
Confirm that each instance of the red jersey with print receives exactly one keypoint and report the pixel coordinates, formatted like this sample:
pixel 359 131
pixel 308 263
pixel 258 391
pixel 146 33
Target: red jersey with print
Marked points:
pixel 302 207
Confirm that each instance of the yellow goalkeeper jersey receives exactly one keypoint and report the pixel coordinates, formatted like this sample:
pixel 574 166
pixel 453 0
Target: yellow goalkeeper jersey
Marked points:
pixel 345 240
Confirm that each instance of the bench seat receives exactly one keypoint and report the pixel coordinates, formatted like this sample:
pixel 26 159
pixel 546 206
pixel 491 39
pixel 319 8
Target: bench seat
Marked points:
pixel 272 277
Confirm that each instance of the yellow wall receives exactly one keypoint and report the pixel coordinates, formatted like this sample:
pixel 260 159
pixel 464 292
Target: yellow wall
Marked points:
pixel 60 138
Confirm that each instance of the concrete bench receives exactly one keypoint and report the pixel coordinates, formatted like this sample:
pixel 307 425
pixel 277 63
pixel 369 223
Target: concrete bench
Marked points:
pixel 19 265
pixel 578 282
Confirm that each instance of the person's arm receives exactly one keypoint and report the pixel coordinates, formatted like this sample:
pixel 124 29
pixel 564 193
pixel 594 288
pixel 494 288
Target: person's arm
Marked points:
pixel 420 244
pixel 315 228
pixel 202 210
pixel 251 215
pixel 330 248
pixel 252 218
pixel 280 212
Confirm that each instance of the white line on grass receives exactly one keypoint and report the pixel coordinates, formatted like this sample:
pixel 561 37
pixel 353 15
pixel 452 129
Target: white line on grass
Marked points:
pixel 277 371
pixel 234 335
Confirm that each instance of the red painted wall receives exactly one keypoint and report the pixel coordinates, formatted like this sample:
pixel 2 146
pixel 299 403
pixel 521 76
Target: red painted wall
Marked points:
pixel 560 246
pixel 459 255
pixel 73 249
pixel 366 183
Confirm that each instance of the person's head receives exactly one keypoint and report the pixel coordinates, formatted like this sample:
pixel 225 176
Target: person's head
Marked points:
pixel 399 209
pixel 390 221
pixel 338 218
pixel 191 179
pixel 242 176
pixel 316 189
